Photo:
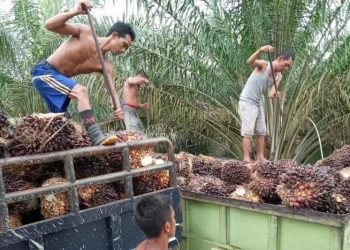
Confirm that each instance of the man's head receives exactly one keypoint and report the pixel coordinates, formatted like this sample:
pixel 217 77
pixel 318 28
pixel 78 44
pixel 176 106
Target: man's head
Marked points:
pixel 284 60
pixel 122 35
pixel 155 216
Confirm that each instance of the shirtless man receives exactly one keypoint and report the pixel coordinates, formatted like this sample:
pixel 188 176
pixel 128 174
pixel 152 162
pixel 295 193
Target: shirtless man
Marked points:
pixel 251 109
pixel 130 101
pixel 78 55
pixel 155 216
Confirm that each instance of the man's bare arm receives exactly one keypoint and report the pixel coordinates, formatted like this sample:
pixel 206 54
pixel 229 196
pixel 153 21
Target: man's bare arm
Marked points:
pixel 254 60
pixel 58 23
pixel 136 80
pixel 272 92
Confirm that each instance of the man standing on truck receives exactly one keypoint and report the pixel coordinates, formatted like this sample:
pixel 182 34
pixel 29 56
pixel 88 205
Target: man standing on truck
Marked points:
pixel 156 218
pixel 251 109
pixel 78 55
pixel 131 105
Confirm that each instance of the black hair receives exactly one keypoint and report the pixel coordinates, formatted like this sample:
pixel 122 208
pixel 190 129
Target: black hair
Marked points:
pixel 122 29
pixel 142 73
pixel 286 54
pixel 151 214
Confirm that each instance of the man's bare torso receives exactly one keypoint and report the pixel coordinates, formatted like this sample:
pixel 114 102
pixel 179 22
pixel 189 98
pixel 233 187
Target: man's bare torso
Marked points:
pixel 131 94
pixel 77 55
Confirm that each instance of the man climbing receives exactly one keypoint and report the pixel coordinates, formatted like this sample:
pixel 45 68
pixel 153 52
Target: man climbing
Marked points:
pixel 251 109
pixel 78 55
pixel 130 101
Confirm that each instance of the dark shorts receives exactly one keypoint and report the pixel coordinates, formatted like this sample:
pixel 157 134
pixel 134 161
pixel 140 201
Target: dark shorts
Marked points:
pixel 52 86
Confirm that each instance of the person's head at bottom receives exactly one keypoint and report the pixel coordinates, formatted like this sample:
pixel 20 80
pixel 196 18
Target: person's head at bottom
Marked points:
pixel 156 218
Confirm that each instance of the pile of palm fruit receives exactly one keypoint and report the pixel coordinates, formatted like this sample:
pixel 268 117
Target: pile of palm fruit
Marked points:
pixel 45 133
pixel 324 187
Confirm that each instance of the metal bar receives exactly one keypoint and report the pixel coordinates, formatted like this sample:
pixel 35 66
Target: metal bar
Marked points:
pixel 4 213
pixel 128 181
pixel 171 157
pixel 80 152
pixel 151 169
pixel 37 192
pixel 73 191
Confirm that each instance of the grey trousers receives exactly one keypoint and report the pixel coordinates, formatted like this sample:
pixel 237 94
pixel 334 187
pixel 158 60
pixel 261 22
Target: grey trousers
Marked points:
pixel 131 119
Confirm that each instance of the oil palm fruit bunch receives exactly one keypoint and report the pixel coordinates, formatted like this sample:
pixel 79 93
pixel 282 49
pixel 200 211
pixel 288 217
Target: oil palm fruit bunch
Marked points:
pixel 3 121
pixel 97 195
pixel 244 193
pixel 338 160
pixel 269 169
pixel 41 133
pixel 213 188
pixel 202 183
pixel 135 154
pixel 265 189
pixel 266 178
pixel 204 165
pixel 15 183
pixel 151 182
pixel 15 220
pixel 183 182
pixel 183 163
pixel 54 205
pixel 235 173
pixel 307 187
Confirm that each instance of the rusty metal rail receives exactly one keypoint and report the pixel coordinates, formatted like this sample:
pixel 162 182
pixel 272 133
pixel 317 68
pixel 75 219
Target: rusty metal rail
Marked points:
pixel 72 184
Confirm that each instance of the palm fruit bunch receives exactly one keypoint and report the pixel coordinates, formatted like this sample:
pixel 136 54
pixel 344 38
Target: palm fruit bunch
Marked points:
pixel 183 182
pixel 43 133
pixel 243 193
pixel 311 188
pixel 151 182
pixel 15 183
pixel 183 163
pixel 135 154
pixel 3 121
pixel 338 160
pixel 4 127
pixel 235 173
pixel 266 178
pixel 209 185
pixel 85 193
pixel 338 204
pixel 344 188
pixel 15 220
pixel 6 135
pixel 265 189
pixel 96 165
pixel 57 204
pixel 205 165
pixel 97 195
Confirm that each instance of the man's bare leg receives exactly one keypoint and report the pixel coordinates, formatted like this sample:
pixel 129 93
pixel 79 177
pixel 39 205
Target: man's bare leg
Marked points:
pixel 80 94
pixel 246 149
pixel 260 146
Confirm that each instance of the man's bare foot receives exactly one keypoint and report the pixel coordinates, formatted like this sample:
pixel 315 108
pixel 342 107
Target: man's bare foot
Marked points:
pixel 261 159
pixel 246 161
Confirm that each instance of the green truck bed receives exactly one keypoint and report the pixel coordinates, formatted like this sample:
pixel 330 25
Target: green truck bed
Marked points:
pixel 212 223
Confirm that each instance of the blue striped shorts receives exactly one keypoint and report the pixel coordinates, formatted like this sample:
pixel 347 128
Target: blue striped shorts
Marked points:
pixel 52 86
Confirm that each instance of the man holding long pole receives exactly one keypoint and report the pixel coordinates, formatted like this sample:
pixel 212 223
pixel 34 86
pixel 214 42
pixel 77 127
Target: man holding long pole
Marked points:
pixel 78 55
pixel 251 109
